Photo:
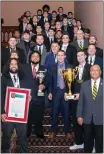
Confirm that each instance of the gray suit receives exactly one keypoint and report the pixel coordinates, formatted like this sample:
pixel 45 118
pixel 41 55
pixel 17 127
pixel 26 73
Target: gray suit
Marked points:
pixel 43 55
pixel 75 44
pixel 86 105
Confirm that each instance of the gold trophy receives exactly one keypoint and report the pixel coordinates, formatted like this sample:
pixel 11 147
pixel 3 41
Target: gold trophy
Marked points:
pixel 69 75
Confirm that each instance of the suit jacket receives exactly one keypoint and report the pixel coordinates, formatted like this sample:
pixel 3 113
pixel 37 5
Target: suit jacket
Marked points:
pixel 70 31
pixel 34 83
pixel 52 73
pixel 50 60
pixel 41 22
pixel 44 54
pixel 87 107
pixel 86 76
pixel 6 81
pixel 48 43
pixel 5 56
pixel 75 44
pixel 71 55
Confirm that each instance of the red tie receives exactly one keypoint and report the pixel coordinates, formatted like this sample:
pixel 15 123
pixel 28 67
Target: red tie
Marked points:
pixel 34 71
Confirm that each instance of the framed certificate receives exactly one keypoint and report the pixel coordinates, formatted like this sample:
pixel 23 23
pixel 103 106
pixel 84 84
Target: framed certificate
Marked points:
pixel 17 104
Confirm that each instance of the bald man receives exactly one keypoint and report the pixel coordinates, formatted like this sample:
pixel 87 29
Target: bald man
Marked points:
pixel 90 111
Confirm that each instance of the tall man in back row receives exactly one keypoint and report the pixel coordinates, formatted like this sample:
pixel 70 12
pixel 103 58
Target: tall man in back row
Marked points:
pixel 90 110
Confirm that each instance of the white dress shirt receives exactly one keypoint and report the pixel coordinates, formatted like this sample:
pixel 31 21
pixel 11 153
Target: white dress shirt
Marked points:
pixel 15 83
pixel 91 58
pixel 97 83
pixel 24 26
pixel 64 47
pixel 81 68
pixel 41 48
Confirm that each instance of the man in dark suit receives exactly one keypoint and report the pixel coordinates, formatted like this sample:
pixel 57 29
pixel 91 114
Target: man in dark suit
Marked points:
pixel 66 28
pixel 5 53
pixel 23 24
pixel 41 48
pixel 61 14
pixel 37 104
pixel 13 77
pixel 90 111
pixel 99 51
pixel 51 38
pixel 44 19
pixel 80 43
pixel 82 74
pixel 71 52
pixel 56 94
pixel 92 58
pixel 51 58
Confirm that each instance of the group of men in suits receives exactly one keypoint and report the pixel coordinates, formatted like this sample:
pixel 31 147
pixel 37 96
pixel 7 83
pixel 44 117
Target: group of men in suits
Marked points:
pixel 46 51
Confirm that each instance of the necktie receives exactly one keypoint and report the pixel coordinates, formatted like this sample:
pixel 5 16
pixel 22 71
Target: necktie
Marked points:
pixel 14 78
pixel 94 93
pixel 51 40
pixel 60 79
pixel 80 45
pixel 34 71
pixel 90 60
pixel 40 49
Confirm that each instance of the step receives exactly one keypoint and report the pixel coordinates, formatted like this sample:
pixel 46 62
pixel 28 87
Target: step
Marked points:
pixel 48 149
pixel 47 130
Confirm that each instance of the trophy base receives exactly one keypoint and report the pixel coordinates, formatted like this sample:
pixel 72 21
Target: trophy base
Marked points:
pixel 40 94
pixel 69 97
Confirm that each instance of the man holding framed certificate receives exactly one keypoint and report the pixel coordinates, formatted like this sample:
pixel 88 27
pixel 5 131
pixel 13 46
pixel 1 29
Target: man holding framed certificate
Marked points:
pixel 15 99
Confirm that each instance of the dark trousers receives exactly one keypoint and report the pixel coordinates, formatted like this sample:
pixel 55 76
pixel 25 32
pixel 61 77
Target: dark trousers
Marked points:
pixel 58 102
pixel 21 129
pixel 78 129
pixel 92 132
pixel 35 118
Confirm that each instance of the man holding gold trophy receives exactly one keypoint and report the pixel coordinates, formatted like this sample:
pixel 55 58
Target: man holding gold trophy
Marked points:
pixel 57 88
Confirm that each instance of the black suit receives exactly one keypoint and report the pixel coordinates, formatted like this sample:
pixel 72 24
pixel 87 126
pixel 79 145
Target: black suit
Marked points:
pixel 78 130
pixel 48 43
pixel 37 104
pixel 8 127
pixel 69 31
pixel 71 55
pixel 41 22
pixel 5 56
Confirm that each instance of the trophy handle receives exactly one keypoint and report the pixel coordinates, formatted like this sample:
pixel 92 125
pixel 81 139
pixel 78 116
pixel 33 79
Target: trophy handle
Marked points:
pixel 75 72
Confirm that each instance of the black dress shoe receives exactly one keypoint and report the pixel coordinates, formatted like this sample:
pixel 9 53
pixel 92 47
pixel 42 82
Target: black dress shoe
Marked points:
pixel 40 135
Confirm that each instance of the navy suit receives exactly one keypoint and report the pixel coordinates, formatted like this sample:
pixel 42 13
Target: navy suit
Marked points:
pixel 50 60
pixel 8 127
pixel 58 99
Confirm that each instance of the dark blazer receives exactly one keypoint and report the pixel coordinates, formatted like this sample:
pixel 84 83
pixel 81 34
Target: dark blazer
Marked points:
pixel 6 81
pixel 75 44
pixel 99 52
pixel 5 56
pixel 52 73
pixel 50 60
pixel 41 22
pixel 70 32
pixel 48 43
pixel 86 76
pixel 71 55
pixel 86 105
pixel 34 83
pixel 21 27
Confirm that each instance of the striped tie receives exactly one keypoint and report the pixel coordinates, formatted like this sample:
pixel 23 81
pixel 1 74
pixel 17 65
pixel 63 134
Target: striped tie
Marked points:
pixel 94 93
pixel 80 45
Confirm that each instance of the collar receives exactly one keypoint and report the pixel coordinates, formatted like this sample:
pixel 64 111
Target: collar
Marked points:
pixel 97 81
pixel 13 74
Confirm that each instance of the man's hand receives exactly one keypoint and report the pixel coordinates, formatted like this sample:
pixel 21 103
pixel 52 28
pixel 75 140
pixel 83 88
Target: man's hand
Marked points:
pixel 80 121
pixel 3 117
pixel 41 87
pixel 50 96
pixel 76 96
pixel 65 94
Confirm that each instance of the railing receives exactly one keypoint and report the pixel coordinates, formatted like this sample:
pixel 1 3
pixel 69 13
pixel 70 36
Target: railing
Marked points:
pixel 6 33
